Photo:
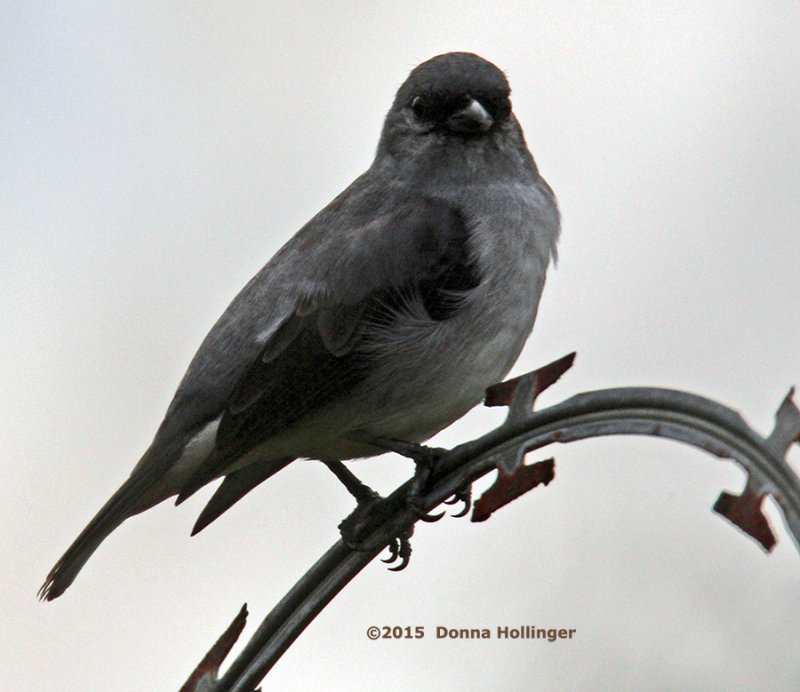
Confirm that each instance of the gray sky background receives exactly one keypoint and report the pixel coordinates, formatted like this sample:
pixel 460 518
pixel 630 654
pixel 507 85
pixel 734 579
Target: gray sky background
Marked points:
pixel 155 155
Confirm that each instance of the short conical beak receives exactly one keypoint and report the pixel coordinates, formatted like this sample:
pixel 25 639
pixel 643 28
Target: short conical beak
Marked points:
pixel 472 119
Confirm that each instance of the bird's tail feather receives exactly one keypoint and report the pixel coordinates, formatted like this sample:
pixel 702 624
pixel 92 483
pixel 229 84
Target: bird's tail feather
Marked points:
pixel 125 502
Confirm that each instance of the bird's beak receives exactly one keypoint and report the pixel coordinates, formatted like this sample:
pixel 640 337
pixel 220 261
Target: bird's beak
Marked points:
pixel 471 119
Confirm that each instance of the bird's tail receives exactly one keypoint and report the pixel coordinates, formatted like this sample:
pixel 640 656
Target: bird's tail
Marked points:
pixel 125 502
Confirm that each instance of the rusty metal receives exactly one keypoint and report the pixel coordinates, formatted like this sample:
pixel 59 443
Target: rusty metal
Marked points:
pixel 509 486
pixel 204 676
pixel 519 395
pixel 672 414
pixel 745 512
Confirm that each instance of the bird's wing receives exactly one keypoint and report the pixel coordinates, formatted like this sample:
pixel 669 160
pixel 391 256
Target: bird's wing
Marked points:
pixel 342 278
pixel 235 486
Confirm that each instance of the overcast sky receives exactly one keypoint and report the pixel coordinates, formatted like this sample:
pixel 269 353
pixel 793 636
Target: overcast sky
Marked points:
pixel 155 155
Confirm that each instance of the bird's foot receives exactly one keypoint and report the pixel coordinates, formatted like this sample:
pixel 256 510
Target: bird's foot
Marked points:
pixel 425 461
pixel 356 528
pixel 372 509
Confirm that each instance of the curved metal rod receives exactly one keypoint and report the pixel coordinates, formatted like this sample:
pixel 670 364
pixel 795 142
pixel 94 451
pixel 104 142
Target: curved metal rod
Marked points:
pixel 672 414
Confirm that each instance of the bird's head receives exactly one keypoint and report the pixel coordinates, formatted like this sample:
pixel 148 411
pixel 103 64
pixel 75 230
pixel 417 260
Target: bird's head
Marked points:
pixel 454 101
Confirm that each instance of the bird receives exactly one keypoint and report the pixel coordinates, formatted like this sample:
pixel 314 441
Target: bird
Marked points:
pixel 385 317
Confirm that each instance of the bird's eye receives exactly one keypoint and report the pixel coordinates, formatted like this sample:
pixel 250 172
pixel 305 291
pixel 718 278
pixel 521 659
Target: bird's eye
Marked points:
pixel 418 107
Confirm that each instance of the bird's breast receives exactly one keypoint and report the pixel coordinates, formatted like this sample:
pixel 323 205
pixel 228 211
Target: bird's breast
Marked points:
pixel 428 373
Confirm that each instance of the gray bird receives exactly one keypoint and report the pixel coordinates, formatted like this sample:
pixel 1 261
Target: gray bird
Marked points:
pixel 386 316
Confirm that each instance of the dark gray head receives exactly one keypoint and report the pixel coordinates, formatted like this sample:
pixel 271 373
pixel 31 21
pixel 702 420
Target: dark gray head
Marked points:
pixel 453 100
pixel 456 92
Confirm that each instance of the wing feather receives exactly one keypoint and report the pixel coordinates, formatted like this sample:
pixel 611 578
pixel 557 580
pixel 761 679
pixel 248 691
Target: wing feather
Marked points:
pixel 338 280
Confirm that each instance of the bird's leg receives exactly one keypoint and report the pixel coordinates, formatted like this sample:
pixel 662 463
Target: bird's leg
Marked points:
pixel 359 490
pixel 367 513
pixel 425 460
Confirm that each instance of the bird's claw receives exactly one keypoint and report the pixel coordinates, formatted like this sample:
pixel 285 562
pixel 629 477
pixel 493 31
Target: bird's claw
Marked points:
pixel 462 495
pixel 429 518
pixel 414 501
pixel 400 548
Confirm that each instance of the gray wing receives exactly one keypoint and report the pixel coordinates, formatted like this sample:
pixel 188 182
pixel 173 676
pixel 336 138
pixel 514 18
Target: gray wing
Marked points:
pixel 354 263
